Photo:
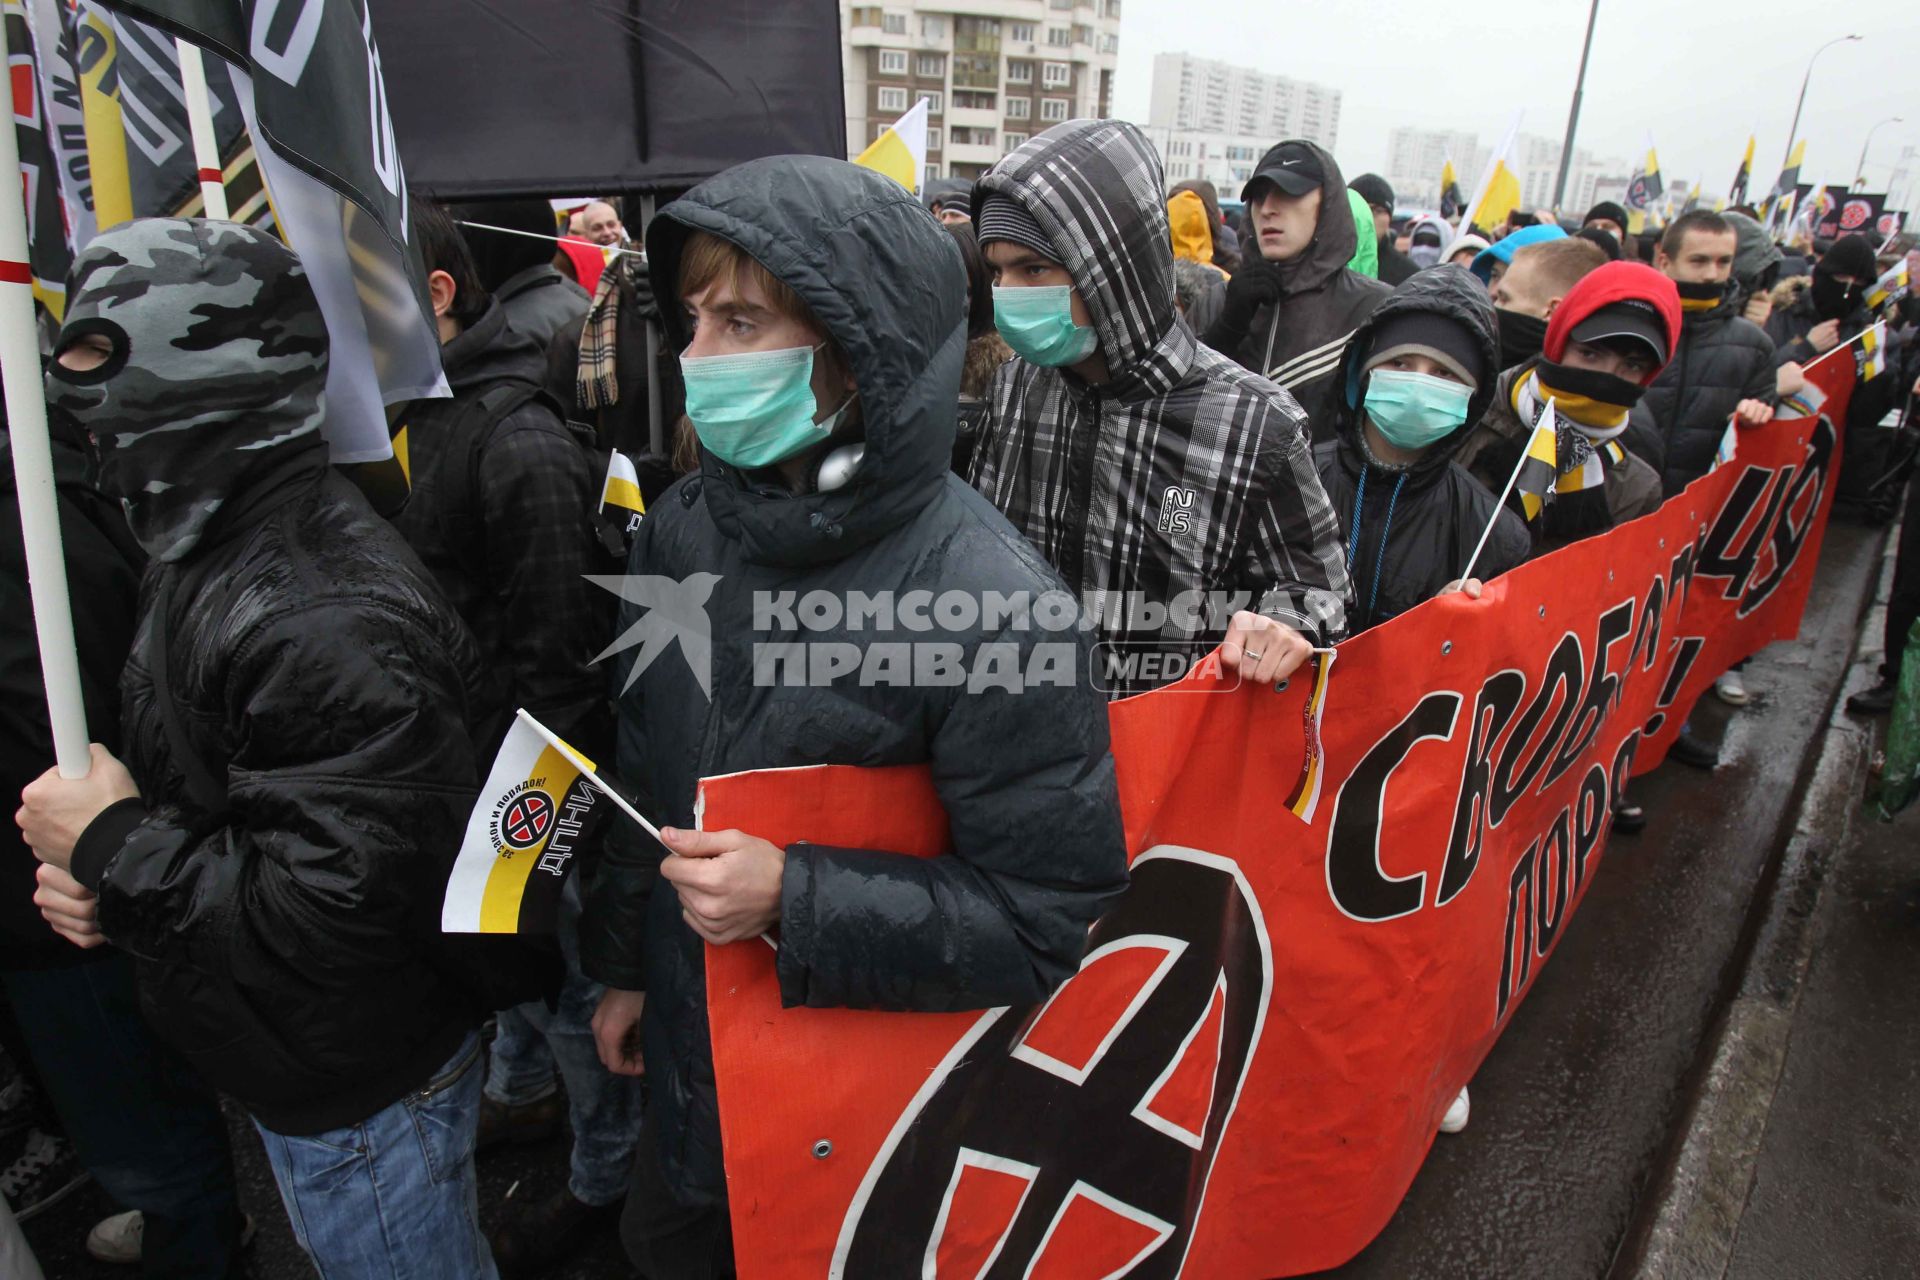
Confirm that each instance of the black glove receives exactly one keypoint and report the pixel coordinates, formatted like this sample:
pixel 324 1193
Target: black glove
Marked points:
pixel 1252 287
pixel 637 290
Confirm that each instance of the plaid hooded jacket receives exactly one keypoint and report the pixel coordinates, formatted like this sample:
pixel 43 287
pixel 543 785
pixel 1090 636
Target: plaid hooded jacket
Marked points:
pixel 1183 472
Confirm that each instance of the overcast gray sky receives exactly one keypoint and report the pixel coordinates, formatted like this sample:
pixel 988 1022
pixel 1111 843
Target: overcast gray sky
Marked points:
pixel 1701 74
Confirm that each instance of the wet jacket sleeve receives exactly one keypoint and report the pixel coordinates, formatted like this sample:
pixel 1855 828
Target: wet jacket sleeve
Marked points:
pixel 1292 558
pixel 536 496
pixel 351 780
pixel 1028 786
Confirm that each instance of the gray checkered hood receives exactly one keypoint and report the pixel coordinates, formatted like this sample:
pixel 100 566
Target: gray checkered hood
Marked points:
pixel 217 376
pixel 1095 187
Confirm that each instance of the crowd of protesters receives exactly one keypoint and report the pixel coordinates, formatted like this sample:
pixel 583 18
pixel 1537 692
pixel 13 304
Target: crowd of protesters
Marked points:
pixel 1062 376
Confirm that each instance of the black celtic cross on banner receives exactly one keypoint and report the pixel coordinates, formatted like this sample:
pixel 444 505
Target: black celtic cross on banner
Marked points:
pixel 1092 1132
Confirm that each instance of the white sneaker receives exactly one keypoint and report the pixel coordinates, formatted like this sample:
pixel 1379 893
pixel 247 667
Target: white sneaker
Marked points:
pixel 1732 690
pixel 118 1239
pixel 1456 1118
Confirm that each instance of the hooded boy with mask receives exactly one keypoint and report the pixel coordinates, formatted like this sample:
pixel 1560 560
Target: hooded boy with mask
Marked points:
pixel 822 316
pixel 1831 309
pixel 1608 339
pixel 1145 467
pixel 1429 241
pixel 300 712
pixel 1295 301
pixel 1418 374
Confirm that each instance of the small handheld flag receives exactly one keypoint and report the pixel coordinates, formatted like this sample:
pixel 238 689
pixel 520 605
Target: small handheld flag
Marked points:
pixel 1873 351
pixel 1450 199
pixel 1540 467
pixel 622 485
pixel 1892 286
pixel 1540 464
pixel 1738 194
pixel 900 152
pixel 541 802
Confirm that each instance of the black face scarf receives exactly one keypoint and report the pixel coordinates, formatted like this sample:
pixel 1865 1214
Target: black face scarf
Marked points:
pixel 1587 396
pixel 1521 336
pixel 1700 297
pixel 1833 300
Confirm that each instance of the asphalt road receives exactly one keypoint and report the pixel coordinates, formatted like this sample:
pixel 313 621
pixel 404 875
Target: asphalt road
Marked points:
pixel 1574 1107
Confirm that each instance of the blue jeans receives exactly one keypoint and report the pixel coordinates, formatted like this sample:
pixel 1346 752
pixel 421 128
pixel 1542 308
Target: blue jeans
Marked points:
pixel 141 1121
pixel 603 1108
pixel 393 1197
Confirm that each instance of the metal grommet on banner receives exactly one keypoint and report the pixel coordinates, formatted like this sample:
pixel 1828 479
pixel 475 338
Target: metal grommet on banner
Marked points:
pixel 1663 544
pixel 1446 647
pixel 822 1149
pixel 1543 611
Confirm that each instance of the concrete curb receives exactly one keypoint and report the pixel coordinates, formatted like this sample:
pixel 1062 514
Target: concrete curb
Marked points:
pixel 1690 1217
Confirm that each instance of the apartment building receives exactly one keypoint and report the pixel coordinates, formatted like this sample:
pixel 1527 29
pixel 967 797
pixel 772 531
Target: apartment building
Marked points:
pixel 1415 158
pixel 1213 120
pixel 993 72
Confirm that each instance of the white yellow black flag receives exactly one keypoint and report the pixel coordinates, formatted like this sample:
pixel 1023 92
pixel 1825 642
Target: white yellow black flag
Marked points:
pixel 523 836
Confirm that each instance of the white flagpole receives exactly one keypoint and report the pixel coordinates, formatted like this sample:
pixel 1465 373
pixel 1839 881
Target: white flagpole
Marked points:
pixel 206 147
pixel 1501 505
pixel 33 474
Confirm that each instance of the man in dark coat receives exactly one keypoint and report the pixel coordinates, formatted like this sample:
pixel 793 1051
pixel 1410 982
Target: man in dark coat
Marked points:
pixel 1294 302
pixel 517 269
pixel 835 309
pixel 1148 469
pixel 1724 368
pixel 300 715
pixel 1411 515
pixel 501 512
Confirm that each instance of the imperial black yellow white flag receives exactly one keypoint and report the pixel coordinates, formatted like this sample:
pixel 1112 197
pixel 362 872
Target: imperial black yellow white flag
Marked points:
pixel 533 814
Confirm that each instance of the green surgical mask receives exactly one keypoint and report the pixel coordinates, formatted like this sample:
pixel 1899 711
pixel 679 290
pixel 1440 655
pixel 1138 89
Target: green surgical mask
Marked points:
pixel 755 408
pixel 1413 410
pixel 1038 324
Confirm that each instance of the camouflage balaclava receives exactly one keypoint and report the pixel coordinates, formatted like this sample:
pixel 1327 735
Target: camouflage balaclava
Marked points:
pixel 216 380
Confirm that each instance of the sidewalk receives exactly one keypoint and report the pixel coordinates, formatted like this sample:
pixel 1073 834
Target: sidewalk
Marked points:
pixel 1797 1155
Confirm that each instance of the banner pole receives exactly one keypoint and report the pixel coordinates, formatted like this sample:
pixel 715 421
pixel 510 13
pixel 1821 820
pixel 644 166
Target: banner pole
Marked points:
pixel 206 147
pixel 1501 504
pixel 33 475
pixel 656 414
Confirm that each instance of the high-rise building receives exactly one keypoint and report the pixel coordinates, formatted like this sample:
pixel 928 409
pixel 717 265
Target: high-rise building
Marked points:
pixel 994 72
pixel 1415 158
pixel 1213 120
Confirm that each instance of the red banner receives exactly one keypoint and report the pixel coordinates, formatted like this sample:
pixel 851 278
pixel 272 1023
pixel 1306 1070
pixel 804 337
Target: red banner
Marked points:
pixel 1316 950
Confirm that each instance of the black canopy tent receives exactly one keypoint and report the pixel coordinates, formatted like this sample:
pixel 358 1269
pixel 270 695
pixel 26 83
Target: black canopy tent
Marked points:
pixel 558 97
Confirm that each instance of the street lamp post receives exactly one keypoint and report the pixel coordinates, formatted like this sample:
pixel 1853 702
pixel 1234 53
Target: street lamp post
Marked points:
pixel 1860 170
pixel 1573 115
pixel 1793 130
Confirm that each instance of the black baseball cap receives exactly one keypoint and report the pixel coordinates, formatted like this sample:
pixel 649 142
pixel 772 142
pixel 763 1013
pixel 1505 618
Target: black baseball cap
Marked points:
pixel 1629 319
pixel 1291 166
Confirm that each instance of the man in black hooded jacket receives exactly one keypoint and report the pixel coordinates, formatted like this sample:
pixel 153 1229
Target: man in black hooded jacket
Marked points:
pixel 1288 314
pixel 300 712
pixel 836 309
pixel 1410 514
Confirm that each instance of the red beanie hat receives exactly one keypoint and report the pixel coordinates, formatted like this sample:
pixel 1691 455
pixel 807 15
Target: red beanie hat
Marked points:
pixel 1614 283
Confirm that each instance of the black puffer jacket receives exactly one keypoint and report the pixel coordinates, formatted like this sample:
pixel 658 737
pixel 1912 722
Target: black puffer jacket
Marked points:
pixel 1410 532
pixel 1298 341
pixel 290 945
pixel 1002 920
pixel 1722 359
pixel 103 575
pixel 501 512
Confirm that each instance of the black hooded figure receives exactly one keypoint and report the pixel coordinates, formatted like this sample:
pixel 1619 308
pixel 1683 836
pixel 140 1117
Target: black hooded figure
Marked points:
pixel 1409 530
pixel 1000 920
